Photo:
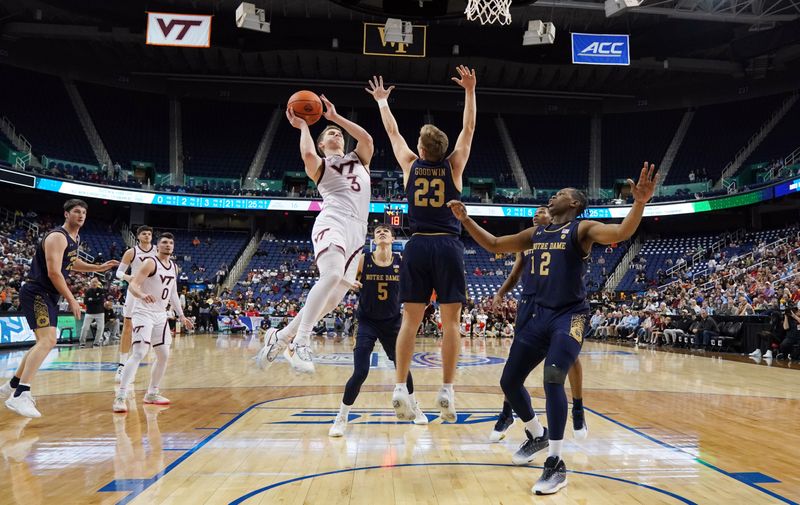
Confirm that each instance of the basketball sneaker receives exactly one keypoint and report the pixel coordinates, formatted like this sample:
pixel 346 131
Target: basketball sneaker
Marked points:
pixel 401 401
pixel 273 346
pixel 120 404
pixel 447 405
pixel 24 405
pixel 6 390
pixel 420 419
pixel 118 375
pixel 768 354
pixel 155 399
pixel 579 428
pixel 339 425
pixel 554 476
pixel 755 354
pixel 528 449
pixel 502 425
pixel 300 357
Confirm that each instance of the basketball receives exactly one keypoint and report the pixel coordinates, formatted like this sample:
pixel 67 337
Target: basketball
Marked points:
pixel 307 105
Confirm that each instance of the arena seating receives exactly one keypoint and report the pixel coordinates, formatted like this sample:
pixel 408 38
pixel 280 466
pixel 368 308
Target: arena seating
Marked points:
pixel 99 236
pixel 631 139
pixel 553 150
pixel 41 110
pixel 132 124
pixel 220 138
pixel 717 132
pixel 782 140
pixel 223 248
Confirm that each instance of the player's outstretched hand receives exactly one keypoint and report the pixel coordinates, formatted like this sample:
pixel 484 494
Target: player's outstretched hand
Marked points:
pixel 108 265
pixel 467 80
pixel 294 120
pixel 643 190
pixel 377 90
pixel 497 302
pixel 330 110
pixel 459 210
pixel 187 323
pixel 75 308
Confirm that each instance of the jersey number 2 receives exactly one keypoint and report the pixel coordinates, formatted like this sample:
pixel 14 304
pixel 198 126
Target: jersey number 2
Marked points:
pixel 544 265
pixel 424 186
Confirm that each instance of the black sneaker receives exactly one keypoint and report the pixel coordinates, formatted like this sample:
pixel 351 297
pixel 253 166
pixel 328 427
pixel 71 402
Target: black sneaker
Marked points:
pixel 527 451
pixel 579 428
pixel 554 477
pixel 502 425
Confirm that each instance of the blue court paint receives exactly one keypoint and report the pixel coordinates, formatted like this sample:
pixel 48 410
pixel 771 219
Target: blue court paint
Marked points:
pixel 146 483
pixel 246 497
pixel 754 478
pixel 374 361
pixel 135 485
pixel 704 463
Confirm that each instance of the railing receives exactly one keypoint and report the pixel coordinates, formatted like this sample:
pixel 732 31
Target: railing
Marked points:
pixel 710 284
pixel 242 262
pixel 624 264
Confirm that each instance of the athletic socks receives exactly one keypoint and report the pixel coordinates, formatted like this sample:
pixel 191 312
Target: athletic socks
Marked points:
pixel 554 449
pixel 534 427
pixel 14 382
pixel 507 411
pixel 577 404
pixel 401 386
pixel 123 357
pixel 21 388
pixel 345 409
pixel 448 388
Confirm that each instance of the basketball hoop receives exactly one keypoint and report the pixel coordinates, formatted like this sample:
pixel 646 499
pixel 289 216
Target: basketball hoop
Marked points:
pixel 489 11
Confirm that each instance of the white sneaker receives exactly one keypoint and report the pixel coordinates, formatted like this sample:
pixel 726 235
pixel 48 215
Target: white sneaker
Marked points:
pixel 120 405
pixel 300 357
pixel 24 405
pixel 401 401
pixel 6 390
pixel 273 346
pixel 420 419
pixel 155 399
pixel 118 375
pixel 447 405
pixel 339 425
pixel 768 354
pixel 755 354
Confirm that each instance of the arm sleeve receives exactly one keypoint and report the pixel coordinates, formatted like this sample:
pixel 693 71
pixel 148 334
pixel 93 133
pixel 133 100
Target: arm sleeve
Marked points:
pixel 121 269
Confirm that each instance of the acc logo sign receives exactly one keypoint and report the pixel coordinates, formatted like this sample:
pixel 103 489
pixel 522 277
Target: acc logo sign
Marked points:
pixel 597 49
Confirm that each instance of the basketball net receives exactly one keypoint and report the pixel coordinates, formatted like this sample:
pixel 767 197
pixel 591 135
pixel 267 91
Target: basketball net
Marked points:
pixel 489 11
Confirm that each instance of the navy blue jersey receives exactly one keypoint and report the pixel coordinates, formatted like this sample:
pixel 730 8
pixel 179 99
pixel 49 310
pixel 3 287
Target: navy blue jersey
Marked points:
pixel 528 279
pixel 380 292
pixel 428 189
pixel 558 266
pixel 38 273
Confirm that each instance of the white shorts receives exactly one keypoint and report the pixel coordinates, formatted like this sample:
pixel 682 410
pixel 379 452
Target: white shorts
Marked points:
pixel 127 309
pixel 150 328
pixel 343 233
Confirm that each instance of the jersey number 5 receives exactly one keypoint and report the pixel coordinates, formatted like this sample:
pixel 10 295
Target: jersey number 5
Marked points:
pixel 383 293
pixel 424 186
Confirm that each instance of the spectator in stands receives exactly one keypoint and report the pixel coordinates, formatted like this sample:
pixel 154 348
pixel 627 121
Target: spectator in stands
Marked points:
pixel 709 329
pixel 195 241
pixel 111 321
pixel 791 323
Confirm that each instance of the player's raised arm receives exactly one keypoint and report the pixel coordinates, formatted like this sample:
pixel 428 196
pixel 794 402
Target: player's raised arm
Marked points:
pixel 590 232
pixel 458 158
pixel 505 244
pixel 405 156
pixel 364 144
pixel 308 150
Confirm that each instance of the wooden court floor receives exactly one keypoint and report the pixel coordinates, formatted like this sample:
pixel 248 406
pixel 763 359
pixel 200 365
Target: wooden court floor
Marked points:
pixel 664 428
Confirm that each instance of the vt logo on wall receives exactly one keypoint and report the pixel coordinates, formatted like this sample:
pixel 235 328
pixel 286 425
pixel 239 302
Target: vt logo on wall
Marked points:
pixel 187 30
pixel 597 49
pixel 375 43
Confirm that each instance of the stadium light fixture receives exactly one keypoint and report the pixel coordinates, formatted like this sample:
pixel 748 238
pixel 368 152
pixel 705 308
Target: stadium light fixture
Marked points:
pixel 539 33
pixel 398 31
pixel 249 17
pixel 617 7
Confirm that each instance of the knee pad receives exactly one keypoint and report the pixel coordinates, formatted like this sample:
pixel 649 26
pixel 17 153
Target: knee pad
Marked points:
pixel 554 375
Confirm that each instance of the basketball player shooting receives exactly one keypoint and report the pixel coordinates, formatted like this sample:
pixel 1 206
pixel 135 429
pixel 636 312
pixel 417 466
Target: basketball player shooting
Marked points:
pixel 433 258
pixel 338 234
